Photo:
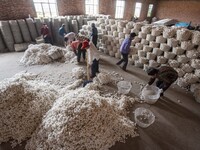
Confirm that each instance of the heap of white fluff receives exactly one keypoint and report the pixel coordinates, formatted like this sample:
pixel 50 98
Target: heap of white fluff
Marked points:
pixel 78 72
pixel 23 102
pixel 38 54
pixel 82 119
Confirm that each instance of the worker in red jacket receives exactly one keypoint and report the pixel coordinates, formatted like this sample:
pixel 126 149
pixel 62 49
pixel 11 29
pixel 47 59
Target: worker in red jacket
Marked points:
pixel 46 34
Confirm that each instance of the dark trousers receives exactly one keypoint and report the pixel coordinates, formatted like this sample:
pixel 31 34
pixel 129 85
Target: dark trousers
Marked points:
pixel 94 67
pixel 48 39
pixel 81 52
pixel 94 40
pixel 163 85
pixel 124 59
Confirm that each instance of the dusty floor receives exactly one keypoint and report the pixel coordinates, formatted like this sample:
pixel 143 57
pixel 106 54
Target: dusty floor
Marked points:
pixel 177 125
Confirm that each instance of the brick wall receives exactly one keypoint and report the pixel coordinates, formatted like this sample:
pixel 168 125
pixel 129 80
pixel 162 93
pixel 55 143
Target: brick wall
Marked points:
pixel 71 7
pixel 182 10
pixel 16 9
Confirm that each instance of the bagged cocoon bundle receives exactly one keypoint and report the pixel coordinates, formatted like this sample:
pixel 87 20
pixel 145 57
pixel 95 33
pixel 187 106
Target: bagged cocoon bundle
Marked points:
pixel 144 42
pixel 156 31
pixel 84 27
pixel 111 53
pixel 111 21
pixel 121 40
pixel 106 21
pixel 115 33
pixel 142 35
pixel 104 78
pixel 106 51
pixel 135 57
pixel 138 25
pixel 118 55
pixel 107 42
pixel 182 82
pixel 191 78
pixel 146 29
pixel 145 67
pixel 116 40
pixel 169 55
pixel 161 60
pixel 180 71
pixel 120 29
pixel 102 26
pixel 109 47
pixel 150 37
pixel 136 39
pixel 194 87
pixel 112 44
pixel 197 72
pixel 182 59
pixel 196 38
pixel 135 31
pixel 193 54
pixel 147 48
pixel 160 39
pixel 187 68
pixel 157 51
pixel 187 45
pixel 169 32
pixel 154 44
pixel 104 32
pixel 139 46
pixel 104 37
pixel 143 60
pixel 138 64
pixel 127 31
pixel 108 28
pixel 153 63
pixel 110 33
pixel 122 24
pixel 129 25
pixel 151 56
pixel 174 63
pixel 133 50
pixel 130 61
pixel 113 28
pixel 121 35
pixel 110 38
pixel 172 42
pixel 141 53
pixel 183 34
pixel 195 63
pixel 165 47
pixel 178 50
pixel 89 28
pixel 118 46
pixel 100 20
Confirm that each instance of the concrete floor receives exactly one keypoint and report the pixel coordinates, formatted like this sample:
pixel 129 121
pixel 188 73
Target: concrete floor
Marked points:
pixel 177 125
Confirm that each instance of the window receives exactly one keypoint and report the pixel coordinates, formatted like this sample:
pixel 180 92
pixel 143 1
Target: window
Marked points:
pixel 91 7
pixel 150 10
pixel 119 13
pixel 138 7
pixel 46 8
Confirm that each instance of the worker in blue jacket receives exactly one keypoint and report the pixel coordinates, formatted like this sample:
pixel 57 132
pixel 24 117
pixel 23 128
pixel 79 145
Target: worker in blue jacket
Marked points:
pixel 62 31
pixel 125 49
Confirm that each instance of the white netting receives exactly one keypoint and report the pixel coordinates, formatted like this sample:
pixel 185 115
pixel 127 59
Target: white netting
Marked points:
pixel 154 44
pixel 174 63
pixel 195 63
pixel 157 51
pixel 172 42
pixel 141 53
pixel 187 45
pixel 150 37
pixel 151 56
pixel 156 31
pixel 196 38
pixel 193 54
pixel 161 60
pixel 187 68
pixel 165 47
pixel 169 32
pixel 183 34
pixel 182 59
pixel 161 39
pixel 147 48
pixel 142 35
pixel 178 50
pixel 169 55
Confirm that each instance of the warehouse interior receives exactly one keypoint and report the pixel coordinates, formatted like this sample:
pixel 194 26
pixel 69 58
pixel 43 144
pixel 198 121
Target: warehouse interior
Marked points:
pixel 43 103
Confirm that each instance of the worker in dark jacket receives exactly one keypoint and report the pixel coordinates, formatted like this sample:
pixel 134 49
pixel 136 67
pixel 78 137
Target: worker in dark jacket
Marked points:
pixel 165 77
pixel 94 34
pixel 125 49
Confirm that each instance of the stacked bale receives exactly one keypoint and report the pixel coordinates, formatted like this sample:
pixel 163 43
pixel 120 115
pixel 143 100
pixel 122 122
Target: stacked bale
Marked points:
pixel 16 31
pixel 7 35
pixel 24 29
